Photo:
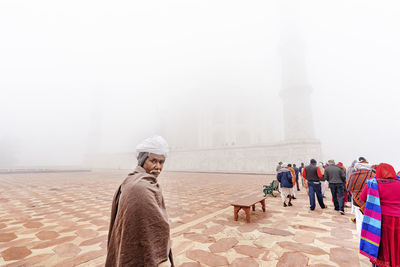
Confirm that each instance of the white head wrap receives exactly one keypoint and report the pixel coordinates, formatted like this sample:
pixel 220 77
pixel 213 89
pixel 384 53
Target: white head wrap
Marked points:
pixel 362 166
pixel 284 165
pixel 155 144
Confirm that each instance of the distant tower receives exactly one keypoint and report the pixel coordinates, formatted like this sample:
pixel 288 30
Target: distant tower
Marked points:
pixel 296 90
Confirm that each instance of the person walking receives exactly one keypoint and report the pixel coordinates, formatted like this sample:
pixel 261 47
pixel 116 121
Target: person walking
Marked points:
pixel 336 179
pixel 279 166
pixel 313 176
pixel 349 171
pixel 284 177
pixel 356 183
pixel 346 193
pixel 324 182
pixel 296 171
pixel 300 173
pixel 289 166
pixel 380 235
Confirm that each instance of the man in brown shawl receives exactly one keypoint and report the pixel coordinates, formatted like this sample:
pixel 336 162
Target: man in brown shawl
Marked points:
pixel 139 227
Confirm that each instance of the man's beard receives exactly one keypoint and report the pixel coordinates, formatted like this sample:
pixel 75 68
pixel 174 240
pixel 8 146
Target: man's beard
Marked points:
pixel 155 172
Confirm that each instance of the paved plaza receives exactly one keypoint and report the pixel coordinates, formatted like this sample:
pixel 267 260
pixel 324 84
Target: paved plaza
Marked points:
pixel 61 219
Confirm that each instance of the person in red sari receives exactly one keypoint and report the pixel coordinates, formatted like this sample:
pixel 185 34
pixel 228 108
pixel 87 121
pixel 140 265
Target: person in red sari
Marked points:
pixel 389 195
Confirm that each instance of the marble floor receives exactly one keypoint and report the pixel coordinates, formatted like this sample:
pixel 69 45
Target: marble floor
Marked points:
pixel 61 219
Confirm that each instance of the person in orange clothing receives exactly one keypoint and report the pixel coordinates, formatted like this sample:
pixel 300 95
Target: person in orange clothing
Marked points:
pixel 293 180
pixel 297 172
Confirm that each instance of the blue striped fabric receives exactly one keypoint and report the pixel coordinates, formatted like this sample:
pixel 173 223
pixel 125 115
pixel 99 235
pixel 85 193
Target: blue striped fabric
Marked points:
pixel 375 203
pixel 373 222
pixel 369 248
pixel 374 206
pixel 374 230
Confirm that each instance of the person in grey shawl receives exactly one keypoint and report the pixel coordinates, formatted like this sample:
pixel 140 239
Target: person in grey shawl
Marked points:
pixel 139 232
pixel 279 166
pixel 350 170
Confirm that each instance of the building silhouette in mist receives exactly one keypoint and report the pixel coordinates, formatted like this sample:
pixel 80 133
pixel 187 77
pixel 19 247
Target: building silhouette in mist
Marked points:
pixel 226 140
pixel 236 136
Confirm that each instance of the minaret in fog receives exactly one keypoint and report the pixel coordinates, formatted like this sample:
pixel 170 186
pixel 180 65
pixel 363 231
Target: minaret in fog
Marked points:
pixel 296 90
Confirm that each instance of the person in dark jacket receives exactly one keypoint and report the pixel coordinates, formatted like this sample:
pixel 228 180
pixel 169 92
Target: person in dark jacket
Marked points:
pixel 313 175
pixel 284 177
pixel 336 178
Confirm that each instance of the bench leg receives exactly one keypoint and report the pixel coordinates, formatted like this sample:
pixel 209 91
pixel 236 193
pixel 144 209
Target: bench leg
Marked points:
pixel 247 210
pixel 235 212
pixel 253 207
pixel 263 204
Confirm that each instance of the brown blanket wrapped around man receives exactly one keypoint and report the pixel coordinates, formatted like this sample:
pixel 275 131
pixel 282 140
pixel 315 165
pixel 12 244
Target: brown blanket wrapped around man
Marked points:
pixel 139 227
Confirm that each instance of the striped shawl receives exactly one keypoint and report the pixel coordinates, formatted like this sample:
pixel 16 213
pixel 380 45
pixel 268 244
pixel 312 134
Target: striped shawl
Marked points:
pixel 371 226
pixel 356 183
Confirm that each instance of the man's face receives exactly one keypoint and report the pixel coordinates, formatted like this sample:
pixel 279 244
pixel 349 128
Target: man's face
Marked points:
pixel 154 164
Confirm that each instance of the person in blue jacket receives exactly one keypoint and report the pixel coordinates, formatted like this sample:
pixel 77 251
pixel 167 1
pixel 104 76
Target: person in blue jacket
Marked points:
pixel 284 177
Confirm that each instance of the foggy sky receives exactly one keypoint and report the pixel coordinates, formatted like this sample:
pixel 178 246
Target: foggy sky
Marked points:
pixel 61 63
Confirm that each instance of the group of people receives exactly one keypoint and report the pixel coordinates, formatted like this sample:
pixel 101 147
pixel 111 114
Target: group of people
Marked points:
pixel 139 232
pixel 374 192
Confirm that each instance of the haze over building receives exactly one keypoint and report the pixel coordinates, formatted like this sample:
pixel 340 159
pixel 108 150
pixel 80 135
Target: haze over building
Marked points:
pixel 233 131
pixel 207 74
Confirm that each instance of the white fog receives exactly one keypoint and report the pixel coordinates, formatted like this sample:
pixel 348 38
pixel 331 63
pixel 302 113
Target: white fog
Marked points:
pixel 81 74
